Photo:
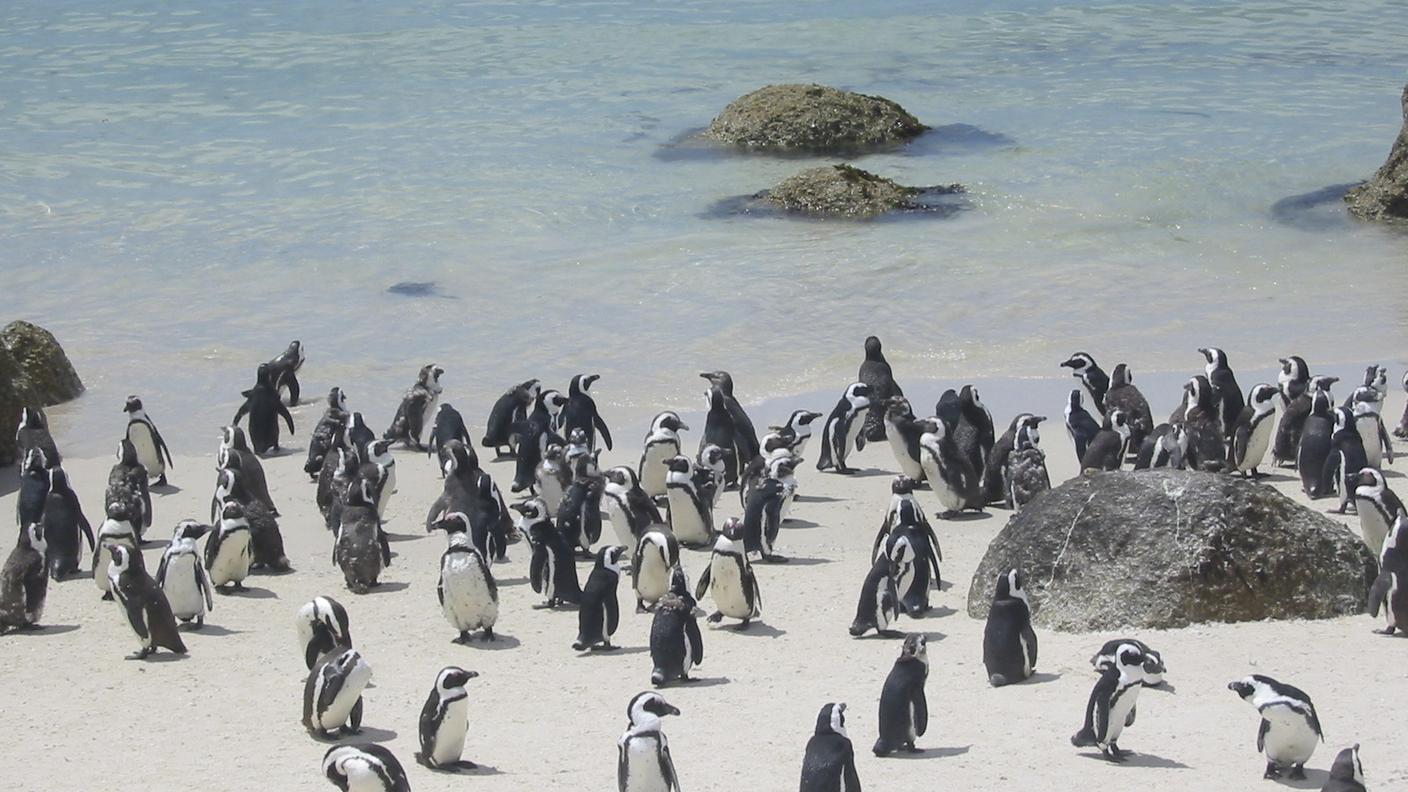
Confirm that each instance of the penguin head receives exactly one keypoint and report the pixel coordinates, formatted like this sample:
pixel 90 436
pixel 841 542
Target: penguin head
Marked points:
pixel 804 417
pixel 1129 660
pixel 189 529
pixel 1073 401
pixel 337 400
pixel 32 418
pixel 459 458
pixel 577 437
pixel 1010 586
pixel 1371 480
pixel 1200 392
pixel 263 375
pixel 120 557
pixel 583 382
pixel 429 376
pixel 554 400
pixel 451 678
pixel 732 529
pixel 858 394
pixel 1079 363
pixel 915 646
pixel 232 513
pixel 720 380
pixel 1347 766
pixel 133 406
pixel 1321 403
pixel 872 350
pixel 1117 421
pixel 609 557
pixel 527 392
pixel 532 509
pixel 1121 376
pixel 968 397
pixel 350 664
pixel 359 493
pixel 381 452
pixel 1376 376
pixel 903 485
pixel 585 466
pixel 679 584
pixel 1245 687
pixel 1263 397
pixel 1344 418
pixel 1323 383
pixel 623 476
pixel 1294 368
pixel 649 707
pixel 452 523
pixel 711 456
pixel 677 464
pixel 897 408
pixel 1215 357
pixel 832 720
pixel 1027 437
pixel 58 479
pixel 35 461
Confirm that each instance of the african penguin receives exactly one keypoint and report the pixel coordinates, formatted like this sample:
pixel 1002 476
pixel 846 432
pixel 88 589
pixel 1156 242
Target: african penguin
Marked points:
pixel 328 432
pixel 24 581
pixel 182 575
pixel 762 520
pixel 284 370
pixel 1316 440
pixel 643 761
pixel 449 425
pixel 141 603
pixel 235 454
pixel 1166 446
pixel 1009 643
pixel 652 566
pixel 844 428
pixel 581 412
pixel 359 548
pixel 552 571
pixel 34 488
pixel 364 768
pixel 332 695
pixel 690 514
pixel 904 711
pixel 1094 382
pixel 509 411
pixel 264 408
pixel 323 627
pixel 127 487
pixel 676 644
pixel 879 604
pixel 151 448
pixel 1108 656
pixel 552 476
pixel 599 612
pixel 1081 427
pixel 1123 395
pixel 728 426
pixel 1346 774
pixel 973 433
pixel 661 444
pixel 468 594
pixel 116 529
pixel 1025 477
pixel 730 577
pixel 1252 433
pixel 33 432
pixel 630 510
pixel 1108 448
pixel 444 721
pixel 1207 448
pixel 829 764
pixel 1378 506
pixel 1289 726
pixel 417 411
pixel 913 552
pixel 1227 394
pixel 579 514
pixel 994 488
pixel 951 475
pixel 708 474
pixel 1112 702
pixel 1390 588
pixel 793 435
pixel 64 524
pixel 228 554
pixel 1345 460
pixel 875 373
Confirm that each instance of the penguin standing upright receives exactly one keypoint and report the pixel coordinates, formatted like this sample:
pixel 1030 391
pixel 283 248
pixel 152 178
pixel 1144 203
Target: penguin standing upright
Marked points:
pixel 690 514
pixel 656 557
pixel 1025 476
pixel 182 577
pixel 1346 459
pixel 534 434
pixel 63 524
pixel 1108 449
pixel 552 571
pixel 762 520
pixel 1402 430
pixel 1081 427
pixel 264 407
pixel 844 428
pixel 1227 394
pixel 468 594
pixel 444 721
pixel 127 487
pixel 508 412
pixel 1289 729
pixel 1252 432
pixel 1346 774
pixel 579 514
pixel 283 372
pixel 1112 702
pixel 364 768
pixel 1293 382
pixel 1093 380
pixel 24 582
pixel 1009 643
pixel 728 426
pixel 1123 395
pixel 35 482
pixel 360 549
pixel 903 431
pixel 581 412
pixel 227 551
pixel 730 576
pixel 707 474
pixel 599 613
pixel 630 510
pixel 116 529
pixel 904 711
pixel 974 433
pixel 143 605
pixel 449 425
pixel 912 548
pixel 1316 439
pixel 1390 588
pixel 879 379
pixel 327 434
pixel 33 432
pixel 879 603
pixel 359 436
pixel 676 645
pixel 1166 446
pixel 1207 449
pixel 552 477
pixel 417 410
pixel 643 761
pixel 829 764
pixel 323 626
pixel 661 444
pixel 332 695
pixel 791 436
pixel 950 473
pixel 994 488
pixel 1370 425
pixel 235 454
pixel 151 448
pixel 1378 506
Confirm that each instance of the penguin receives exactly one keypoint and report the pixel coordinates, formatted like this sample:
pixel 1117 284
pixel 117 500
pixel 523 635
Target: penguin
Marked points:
pixel 948 410
pixel 142 604
pixel 359 436
pixel 1009 643
pixel 913 550
pixel 1252 432
pixel 994 485
pixel 116 529
pixel 951 475
pixel 1346 774
pixel 1093 379
pixel 1207 449
pixel 468 594
pixel 552 477
pixel 1166 446
pixel 974 433
pixel 581 412
pixel 782 467
pixel 707 474
pixel 323 627
pixel 235 454
pixel 1390 588
pixel 1112 703
pixel 34 488
pixel 364 768
pixel 791 436
pixel 879 604
pixel 283 372
pixel 182 576
pixel 1370 424
pixel 33 432
pixel 1293 382
pixel 1123 395
pixel 360 549
pixel 1025 476
pixel 1227 394
pixel 661 443
pixel 735 589
pixel 151 448
pixel 534 435
pixel 1316 439
pixel 690 514
pixel 1290 728
pixel 328 432
pixel 24 582
pixel 904 711
pixel 1081 427
pixel 1402 430
pixel 509 411
pixel 829 764
pixel 599 613
pixel 552 571
pixel 1345 461
pixel 762 520
pixel 630 510
pixel 643 761
pixel 556 403
pixel 579 515
pixel 577 446
pixel 227 552
pixel 264 408
pixel 471 491
pixel 332 695
pixel 127 487
pixel 1378 506
pixel 1108 657
pixel 844 428
pixel 676 644
pixel 444 721
pixel 63 524
pixel 728 426
pixel 877 376
pixel 417 411
pixel 1110 445
pixel 266 546
pixel 449 425
pixel 904 510
pixel 652 566
pixel 381 470
pixel 903 432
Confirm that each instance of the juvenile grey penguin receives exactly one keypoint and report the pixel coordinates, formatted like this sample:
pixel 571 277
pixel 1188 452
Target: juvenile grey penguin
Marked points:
pixel 264 407
pixel 283 371
pixel 1093 380
pixel 581 412
pixel 235 454
pixel 1225 390
pixel 116 529
pixel 449 425
pixel 1390 588
pixel 182 577
pixel 689 512
pixel 509 410
pixel 973 433
pixel 1346 774
pixel 24 582
pixel 1009 643
pixel 904 710
pixel 33 432
pixel 1207 448
pixel 323 626
pixel 359 549
pixel 34 488
pixel 552 570
pixel 844 428
pixel 877 376
pixel 1290 728
pixel 1253 431
pixel 879 603
pixel 151 448
pixel 1081 427
pixel 127 487
pixel 599 613
pixel 468 594
pixel 643 761
pixel 142 603
pixel 1112 702
pixel 328 432
pixel 707 474
pixel 1293 382
pixel 417 411
pixel 662 443
pixel 829 764
pixel 1166 446
pixel 1378 506
pixel 332 695
pixel 552 477
pixel 656 557
pixel 1025 476
pixel 994 486
pixel 1123 395
pixel 364 768
pixel 444 721
pixel 228 552
pixel 579 514
pixel 64 523
pixel 728 426
pixel 676 644
pixel 730 576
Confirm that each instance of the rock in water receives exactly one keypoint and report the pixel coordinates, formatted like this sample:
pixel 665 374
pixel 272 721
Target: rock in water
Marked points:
pixel 34 371
pixel 1385 196
pixel 813 118
pixel 843 191
pixel 1167 548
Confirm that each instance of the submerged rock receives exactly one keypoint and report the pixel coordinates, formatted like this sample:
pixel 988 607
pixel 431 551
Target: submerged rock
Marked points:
pixel 844 191
pixel 34 371
pixel 1162 549
pixel 812 118
pixel 1385 195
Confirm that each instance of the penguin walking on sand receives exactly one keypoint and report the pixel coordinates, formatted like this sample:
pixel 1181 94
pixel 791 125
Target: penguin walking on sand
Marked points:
pixel 973 433
pixel 228 553
pixel 1316 441
pixel 235 454
pixel 1081 427
pixel 1390 588
pixel 903 432
pixel 1109 657
pixel 509 412
pixel 360 549
pixel 994 487
pixel 449 425
pixel 64 523
pixel 24 581
pixel 829 764
pixel 676 644
pixel 913 550
pixel 552 571
pixel 323 627
pixel 844 428
pixel 879 604
pixel 283 372
pixel 151 448
pixel 34 488
pixel 1009 643
pixel 690 514
pixel 904 710
pixel 1346 459
pixel 877 376
pixel 1108 449
pixel 468 594
pixel 599 613
pixel 1290 728
pixel 364 768
pixel 1346 774
pixel 1379 508
pixel 762 521
pixel 332 695
pixel 630 510
pixel 33 432
pixel 1123 395
pixel 950 473
pixel 417 411
pixel 1253 431
pixel 1094 382
pixel 662 444
pixel 730 576
pixel 728 426
pixel 444 721
pixel 581 412
pixel 183 578
pixel 264 408
pixel 327 433
pixel 1112 702
pixel 643 761
pixel 142 603
pixel 1207 449
pixel 116 529
pixel 1025 476
pixel 127 487
pixel 656 557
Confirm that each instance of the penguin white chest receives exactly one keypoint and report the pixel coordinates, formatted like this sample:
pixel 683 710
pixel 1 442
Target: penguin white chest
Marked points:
pixel 643 766
pixel 427 417
pixel 550 490
pixel 147 454
pixel 652 466
pixel 620 521
pixel 102 560
pixel 449 737
pixel 685 518
pixel 653 577
pixel 182 587
pixel 468 604
pixel 908 464
pixel 727 587
pixel 362 778
pixel 949 497
pixel 337 714
pixel 1120 708
pixel 1372 525
pixel 1289 738
pixel 853 432
pixel 231 563
pixel 1368 427
pixel 387 488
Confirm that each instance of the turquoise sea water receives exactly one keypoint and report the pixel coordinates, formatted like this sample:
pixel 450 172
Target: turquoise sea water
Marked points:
pixel 184 190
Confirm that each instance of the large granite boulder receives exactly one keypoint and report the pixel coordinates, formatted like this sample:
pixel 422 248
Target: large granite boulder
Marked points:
pixel 813 118
pixel 1166 548
pixel 34 371
pixel 1385 196
pixel 844 191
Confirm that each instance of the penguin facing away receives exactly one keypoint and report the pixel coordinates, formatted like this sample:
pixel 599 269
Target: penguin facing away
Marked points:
pixel 904 710
pixel 1226 392
pixel 875 373
pixel 24 582
pixel 1079 425
pixel 994 487
pixel 444 721
pixel 829 764
pixel 328 432
pixel 508 412
pixel 417 411
pixel 35 482
pixel 264 407
pixel 1123 395
pixel 1316 440
pixel 1289 729
pixel 284 372
pixel 33 432
pixel 64 524
pixel 364 768
pixel 1009 643
pixel 127 485
pixel 644 763
pixel 1025 476
pixel 676 644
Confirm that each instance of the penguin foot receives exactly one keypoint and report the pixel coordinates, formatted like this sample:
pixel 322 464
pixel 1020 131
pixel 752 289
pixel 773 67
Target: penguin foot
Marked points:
pixel 543 606
pixel 200 623
pixel 161 482
pixel 463 639
pixel 1272 771
pixel 951 514
pixel 141 655
pixel 910 748
pixel 1297 773
pixel 238 586
pixel 488 635
pixel 1384 631
pixel 465 764
pixel 605 646
pixel 579 646
pixel 714 618
pixel 743 625
pixel 640 606
pixel 108 596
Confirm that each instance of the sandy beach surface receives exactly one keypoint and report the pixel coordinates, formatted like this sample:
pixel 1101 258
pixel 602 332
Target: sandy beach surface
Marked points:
pixel 77 716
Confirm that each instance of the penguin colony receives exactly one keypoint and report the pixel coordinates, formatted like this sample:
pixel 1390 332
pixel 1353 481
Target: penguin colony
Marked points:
pixel 950 463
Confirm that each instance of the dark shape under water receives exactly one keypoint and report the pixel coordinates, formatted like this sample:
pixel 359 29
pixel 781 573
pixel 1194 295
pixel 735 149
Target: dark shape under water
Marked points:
pixel 691 146
pixel 929 203
pixel 1317 210
pixel 414 289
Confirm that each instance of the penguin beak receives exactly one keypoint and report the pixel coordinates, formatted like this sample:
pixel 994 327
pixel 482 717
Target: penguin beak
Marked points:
pixel 1036 420
pixel 671 709
pixel 684 425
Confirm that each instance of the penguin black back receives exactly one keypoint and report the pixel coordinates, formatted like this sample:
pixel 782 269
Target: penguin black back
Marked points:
pixel 875 372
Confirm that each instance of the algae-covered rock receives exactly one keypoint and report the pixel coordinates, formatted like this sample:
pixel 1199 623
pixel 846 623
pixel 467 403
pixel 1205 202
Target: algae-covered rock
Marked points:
pixel 844 191
pixel 1385 195
pixel 813 118
pixel 34 371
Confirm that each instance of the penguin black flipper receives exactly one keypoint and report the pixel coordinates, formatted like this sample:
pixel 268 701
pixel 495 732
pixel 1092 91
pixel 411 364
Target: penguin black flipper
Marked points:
pixel 536 566
pixel 703 587
pixel 1378 593
pixel 1261 735
pixel 146 500
pixel 162 623
pixel 613 614
pixel 667 767
pixel 1097 711
pixel 695 640
pixel 283 411
pixel 601 427
pixel 84 527
pixel 354 720
pixel 849 779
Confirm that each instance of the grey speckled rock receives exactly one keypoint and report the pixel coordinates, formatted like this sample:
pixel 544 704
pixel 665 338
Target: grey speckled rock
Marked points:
pixel 34 371
pixel 1161 549
pixel 844 191
pixel 1385 196
pixel 813 118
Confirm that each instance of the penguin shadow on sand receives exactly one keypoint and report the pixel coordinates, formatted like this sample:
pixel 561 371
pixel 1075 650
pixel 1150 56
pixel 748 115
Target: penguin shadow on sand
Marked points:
pixel 967 516
pixel 365 734
pixel 756 629
pixel 501 642
pixel 869 473
pixel 1145 760
pixel 9 479
pixel 247 592
pixel 797 561
pixel 213 630
pixel 695 682
pixel 1040 678
pixel 1314 779
pixel 614 651
pixel 793 522
pixel 164 489
pixel 399 537
pixel 816 499
pixel 388 586
pixel 931 753
pixel 43 629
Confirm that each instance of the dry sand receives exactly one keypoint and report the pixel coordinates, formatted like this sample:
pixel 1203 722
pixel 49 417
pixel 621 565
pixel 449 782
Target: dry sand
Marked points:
pixel 77 716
